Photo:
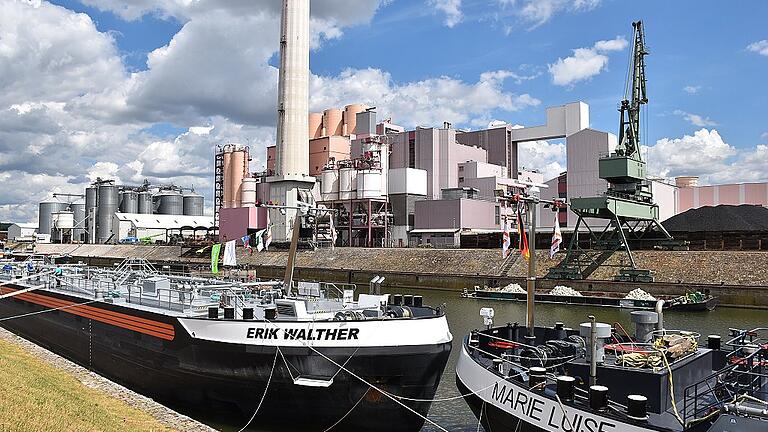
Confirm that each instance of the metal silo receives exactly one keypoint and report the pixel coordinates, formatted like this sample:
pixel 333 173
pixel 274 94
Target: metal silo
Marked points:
pixel 79 211
pixel 90 214
pixel 145 203
pixel 193 204
pixel 107 206
pixel 169 202
pixel 129 201
pixel 45 220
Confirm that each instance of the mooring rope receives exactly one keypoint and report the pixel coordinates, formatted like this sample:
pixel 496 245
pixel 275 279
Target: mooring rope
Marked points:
pixel 49 310
pixel 21 291
pixel 425 418
pixel 29 276
pixel 263 396
pixel 350 410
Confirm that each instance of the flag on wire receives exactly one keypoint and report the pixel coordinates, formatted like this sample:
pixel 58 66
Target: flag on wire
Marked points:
pixel 506 242
pixel 230 257
pixel 260 240
pixel 215 250
pixel 557 238
pixel 246 239
pixel 523 237
pixel 268 234
pixel 333 232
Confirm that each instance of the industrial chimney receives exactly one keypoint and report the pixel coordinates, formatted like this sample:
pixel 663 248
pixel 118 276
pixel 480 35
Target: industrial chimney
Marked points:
pixel 292 153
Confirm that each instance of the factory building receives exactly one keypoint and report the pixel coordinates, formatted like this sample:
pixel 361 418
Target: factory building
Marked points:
pixel 691 196
pixel 22 232
pixel 160 228
pixel 89 218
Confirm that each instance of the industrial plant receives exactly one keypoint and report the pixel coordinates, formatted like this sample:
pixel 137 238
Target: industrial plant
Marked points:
pixel 108 212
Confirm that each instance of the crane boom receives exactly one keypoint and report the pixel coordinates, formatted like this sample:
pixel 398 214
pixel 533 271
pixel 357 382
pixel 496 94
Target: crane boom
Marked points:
pixel 629 127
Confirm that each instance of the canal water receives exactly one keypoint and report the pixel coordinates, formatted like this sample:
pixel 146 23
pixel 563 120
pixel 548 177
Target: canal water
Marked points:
pixel 463 316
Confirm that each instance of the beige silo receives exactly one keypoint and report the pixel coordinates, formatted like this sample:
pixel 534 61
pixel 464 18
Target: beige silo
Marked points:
pixel 350 117
pixel 332 122
pixel 315 125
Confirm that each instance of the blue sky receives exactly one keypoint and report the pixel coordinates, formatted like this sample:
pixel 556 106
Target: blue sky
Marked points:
pixel 695 44
pixel 146 89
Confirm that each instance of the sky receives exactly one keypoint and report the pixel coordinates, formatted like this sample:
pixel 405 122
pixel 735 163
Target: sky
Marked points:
pixel 145 89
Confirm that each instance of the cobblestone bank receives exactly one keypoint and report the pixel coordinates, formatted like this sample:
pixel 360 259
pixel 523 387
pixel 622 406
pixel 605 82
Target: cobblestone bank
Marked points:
pixel 696 267
pixel 163 414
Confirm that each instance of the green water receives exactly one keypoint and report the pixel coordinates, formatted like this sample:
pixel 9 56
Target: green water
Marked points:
pixel 463 316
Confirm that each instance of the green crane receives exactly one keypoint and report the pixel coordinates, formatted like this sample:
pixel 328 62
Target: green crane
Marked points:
pixel 629 129
pixel 627 205
pixel 625 169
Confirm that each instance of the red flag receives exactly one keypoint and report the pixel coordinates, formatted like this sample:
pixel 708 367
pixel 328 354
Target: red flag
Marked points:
pixel 523 237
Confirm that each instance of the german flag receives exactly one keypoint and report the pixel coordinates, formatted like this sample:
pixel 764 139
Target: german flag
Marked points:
pixel 523 237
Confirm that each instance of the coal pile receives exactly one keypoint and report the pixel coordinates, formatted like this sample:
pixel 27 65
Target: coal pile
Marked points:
pixel 720 218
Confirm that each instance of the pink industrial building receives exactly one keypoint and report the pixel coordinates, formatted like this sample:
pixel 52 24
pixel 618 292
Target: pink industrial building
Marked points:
pixel 690 195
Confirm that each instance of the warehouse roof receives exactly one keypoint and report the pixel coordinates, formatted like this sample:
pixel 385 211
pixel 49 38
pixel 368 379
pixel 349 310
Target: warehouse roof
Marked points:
pixel 26 225
pixel 720 218
pixel 158 221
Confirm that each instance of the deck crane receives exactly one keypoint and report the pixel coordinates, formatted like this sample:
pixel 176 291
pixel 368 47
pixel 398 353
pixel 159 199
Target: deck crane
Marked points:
pixel 627 205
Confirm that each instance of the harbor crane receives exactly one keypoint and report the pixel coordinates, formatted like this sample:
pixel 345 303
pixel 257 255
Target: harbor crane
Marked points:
pixel 627 206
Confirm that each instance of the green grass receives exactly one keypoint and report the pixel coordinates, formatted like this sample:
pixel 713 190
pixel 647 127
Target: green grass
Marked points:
pixel 35 396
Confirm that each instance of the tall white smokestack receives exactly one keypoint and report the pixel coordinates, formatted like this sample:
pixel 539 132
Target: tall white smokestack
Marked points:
pixel 292 164
pixel 293 91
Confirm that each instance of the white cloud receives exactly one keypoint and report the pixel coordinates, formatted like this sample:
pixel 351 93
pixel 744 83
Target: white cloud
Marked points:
pixel 48 53
pixel 760 47
pixel 547 157
pixel 707 155
pixel 70 110
pixel 764 136
pixel 451 9
pixel 692 89
pixel 538 12
pixel 585 62
pixel 695 119
pixel 427 102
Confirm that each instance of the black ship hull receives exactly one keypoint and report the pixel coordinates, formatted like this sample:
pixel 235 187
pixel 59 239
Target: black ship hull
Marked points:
pixel 154 354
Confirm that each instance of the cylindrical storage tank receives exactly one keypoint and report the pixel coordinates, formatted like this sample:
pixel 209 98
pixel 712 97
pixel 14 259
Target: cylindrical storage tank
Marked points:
pixel 193 204
pixel 129 201
pixel 90 214
pixel 329 185
pixel 315 125
pixel 90 197
pixel 45 220
pixel 145 204
pixel 169 202
pixel 248 197
pixel 347 183
pixel 369 183
pixel 237 166
pixel 63 220
pixel 107 206
pixel 332 122
pixel 227 181
pixel 78 209
pixel 350 117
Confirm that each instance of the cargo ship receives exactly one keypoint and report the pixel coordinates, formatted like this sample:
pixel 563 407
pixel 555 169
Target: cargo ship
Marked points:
pixel 311 356
pixel 690 302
